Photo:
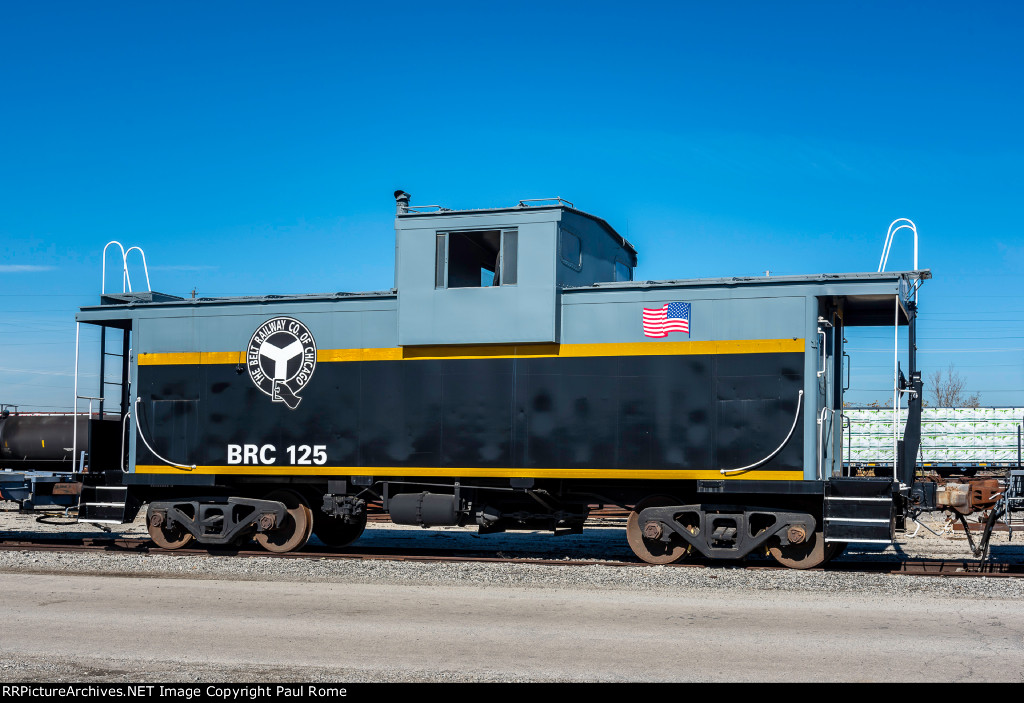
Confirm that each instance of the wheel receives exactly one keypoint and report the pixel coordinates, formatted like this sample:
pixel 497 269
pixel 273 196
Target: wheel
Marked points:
pixel 334 532
pixel 164 537
pixel 809 554
pixel 653 551
pixel 296 529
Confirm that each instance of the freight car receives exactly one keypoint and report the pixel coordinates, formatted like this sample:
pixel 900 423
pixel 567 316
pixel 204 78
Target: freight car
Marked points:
pixel 515 376
pixel 37 468
pixel 954 441
pixel 40 441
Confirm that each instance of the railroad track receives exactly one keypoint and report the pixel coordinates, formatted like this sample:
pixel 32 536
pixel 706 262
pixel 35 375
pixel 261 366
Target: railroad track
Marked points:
pixel 911 567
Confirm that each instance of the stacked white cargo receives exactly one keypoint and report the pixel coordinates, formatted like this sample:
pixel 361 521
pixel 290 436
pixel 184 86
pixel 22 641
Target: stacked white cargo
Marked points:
pixel 966 438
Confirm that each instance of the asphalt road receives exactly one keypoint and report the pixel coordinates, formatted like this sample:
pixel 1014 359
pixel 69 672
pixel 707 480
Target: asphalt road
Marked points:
pixel 88 627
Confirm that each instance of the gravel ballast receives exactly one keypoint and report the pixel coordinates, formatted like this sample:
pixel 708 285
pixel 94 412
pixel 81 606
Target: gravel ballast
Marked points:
pixel 606 543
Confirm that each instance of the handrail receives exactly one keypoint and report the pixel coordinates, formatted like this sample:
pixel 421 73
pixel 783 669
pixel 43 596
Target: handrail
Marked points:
pixel 145 268
pixel 888 241
pixel 896 390
pixel 560 201
pixel 824 363
pixel 896 325
pixel 74 407
pixel 422 209
pixel 126 280
pixel 124 428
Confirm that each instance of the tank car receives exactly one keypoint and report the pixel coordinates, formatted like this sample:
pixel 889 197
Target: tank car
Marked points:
pixel 40 441
pixel 515 376
pixel 36 460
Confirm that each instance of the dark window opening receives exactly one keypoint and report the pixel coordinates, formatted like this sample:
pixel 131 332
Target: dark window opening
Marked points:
pixel 622 271
pixel 570 249
pixel 476 259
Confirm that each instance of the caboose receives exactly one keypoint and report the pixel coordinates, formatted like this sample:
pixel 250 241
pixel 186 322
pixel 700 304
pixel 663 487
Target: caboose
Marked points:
pixel 516 376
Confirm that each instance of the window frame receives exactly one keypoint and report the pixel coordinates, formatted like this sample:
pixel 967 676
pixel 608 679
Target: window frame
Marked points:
pixel 442 260
pixel 615 270
pixel 578 265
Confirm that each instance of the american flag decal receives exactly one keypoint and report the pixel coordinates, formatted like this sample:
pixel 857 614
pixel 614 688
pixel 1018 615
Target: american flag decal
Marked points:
pixel 671 317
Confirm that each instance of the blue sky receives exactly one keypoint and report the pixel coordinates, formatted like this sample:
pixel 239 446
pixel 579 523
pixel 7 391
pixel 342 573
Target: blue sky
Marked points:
pixel 253 147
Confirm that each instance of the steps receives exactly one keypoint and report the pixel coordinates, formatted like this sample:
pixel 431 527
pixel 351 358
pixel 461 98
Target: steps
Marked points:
pixel 107 505
pixel 860 510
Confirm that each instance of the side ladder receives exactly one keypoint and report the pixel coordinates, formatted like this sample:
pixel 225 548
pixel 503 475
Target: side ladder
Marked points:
pixel 1014 517
pixel 103 500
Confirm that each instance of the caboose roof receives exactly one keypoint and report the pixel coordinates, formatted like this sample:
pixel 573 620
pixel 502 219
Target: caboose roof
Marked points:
pixel 152 299
pixel 864 277
pixel 512 213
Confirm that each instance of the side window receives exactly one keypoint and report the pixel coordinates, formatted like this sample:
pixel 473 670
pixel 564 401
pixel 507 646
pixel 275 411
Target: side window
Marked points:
pixel 476 259
pixel 570 249
pixel 440 258
pixel 622 271
pixel 509 257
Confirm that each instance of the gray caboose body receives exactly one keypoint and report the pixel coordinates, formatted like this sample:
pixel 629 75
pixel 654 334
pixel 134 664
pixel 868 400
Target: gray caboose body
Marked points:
pixel 514 377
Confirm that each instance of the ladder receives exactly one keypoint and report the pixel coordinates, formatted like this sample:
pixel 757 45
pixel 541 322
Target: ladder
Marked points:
pixel 1015 499
pixel 99 502
pixel 120 386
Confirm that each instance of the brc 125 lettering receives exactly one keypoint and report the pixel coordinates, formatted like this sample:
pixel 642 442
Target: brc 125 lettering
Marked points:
pixel 266 454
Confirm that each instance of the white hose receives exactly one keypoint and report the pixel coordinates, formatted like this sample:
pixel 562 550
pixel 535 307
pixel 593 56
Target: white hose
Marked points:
pixel 138 426
pixel 799 401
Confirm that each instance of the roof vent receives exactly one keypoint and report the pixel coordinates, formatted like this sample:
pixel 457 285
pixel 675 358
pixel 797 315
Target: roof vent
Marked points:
pixel 402 202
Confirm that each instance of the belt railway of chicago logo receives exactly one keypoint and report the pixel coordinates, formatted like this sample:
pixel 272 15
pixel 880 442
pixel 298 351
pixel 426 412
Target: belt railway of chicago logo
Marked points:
pixel 281 358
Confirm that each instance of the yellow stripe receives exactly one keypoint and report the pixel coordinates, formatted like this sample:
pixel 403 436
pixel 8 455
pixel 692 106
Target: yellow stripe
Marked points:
pixel 501 351
pixel 394 354
pixel 467 472
pixel 732 346
pixel 484 351
pixel 191 358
